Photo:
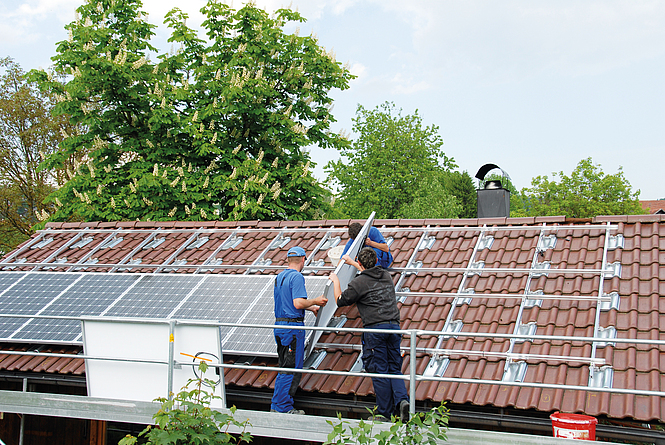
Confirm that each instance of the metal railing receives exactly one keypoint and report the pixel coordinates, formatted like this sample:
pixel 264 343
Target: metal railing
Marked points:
pixel 413 334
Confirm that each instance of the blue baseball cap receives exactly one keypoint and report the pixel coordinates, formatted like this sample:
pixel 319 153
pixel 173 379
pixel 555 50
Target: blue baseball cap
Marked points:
pixel 296 251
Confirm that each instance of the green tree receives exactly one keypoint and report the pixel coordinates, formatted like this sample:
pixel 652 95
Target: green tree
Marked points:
pixel 213 130
pixel 383 169
pixel 587 192
pixel 461 186
pixel 28 133
pixel 433 200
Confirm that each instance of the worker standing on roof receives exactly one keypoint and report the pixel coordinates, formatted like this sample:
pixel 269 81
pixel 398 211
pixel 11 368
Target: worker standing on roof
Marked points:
pixel 290 304
pixel 373 292
pixel 375 240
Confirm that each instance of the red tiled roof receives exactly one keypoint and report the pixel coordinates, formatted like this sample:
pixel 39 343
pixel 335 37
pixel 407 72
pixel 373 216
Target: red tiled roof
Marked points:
pixel 654 205
pixel 579 245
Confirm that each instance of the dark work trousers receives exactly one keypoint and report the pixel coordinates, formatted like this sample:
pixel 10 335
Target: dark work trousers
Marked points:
pixel 381 355
pixel 290 350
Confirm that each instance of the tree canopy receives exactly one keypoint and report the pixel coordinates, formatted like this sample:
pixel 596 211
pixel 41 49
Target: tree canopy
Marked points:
pixel 386 165
pixel 587 192
pixel 215 129
pixel 28 133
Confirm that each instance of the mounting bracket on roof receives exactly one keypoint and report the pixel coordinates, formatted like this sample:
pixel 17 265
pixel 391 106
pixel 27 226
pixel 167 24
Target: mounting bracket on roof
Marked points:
pixel 532 302
pixel 613 270
pixel 279 242
pixel 42 243
pixel 615 242
pixel 528 329
pixel 476 268
pixel 515 371
pixel 427 243
pixel 315 358
pixel 82 242
pixel 198 242
pixel 537 267
pixel 329 243
pixel 318 263
pixel 466 300
pixel 231 242
pixel 437 366
pixel 601 378
pixel 613 302
pixel 111 242
pixel 485 241
pixel 263 262
pixel 546 242
pixel 154 243
pixel 609 332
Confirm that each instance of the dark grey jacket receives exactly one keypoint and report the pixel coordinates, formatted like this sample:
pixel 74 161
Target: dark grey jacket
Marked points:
pixel 373 292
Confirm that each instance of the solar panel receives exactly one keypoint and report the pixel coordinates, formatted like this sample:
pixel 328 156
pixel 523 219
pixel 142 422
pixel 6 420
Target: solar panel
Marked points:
pixel 223 298
pixel 261 341
pixel 246 299
pixel 89 296
pixel 29 295
pixel 154 296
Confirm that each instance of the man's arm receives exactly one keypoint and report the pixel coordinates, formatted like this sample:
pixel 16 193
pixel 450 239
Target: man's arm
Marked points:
pixel 312 304
pixel 350 261
pixel 336 286
pixel 376 240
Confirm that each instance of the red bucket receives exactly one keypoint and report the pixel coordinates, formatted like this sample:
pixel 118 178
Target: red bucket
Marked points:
pixel 574 426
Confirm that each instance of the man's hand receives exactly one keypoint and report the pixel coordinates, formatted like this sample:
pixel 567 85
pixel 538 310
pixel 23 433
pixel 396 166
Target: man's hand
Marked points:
pixel 347 259
pixel 321 301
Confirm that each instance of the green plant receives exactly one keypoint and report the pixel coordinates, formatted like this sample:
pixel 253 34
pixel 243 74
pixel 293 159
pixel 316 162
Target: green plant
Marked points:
pixel 187 418
pixel 423 428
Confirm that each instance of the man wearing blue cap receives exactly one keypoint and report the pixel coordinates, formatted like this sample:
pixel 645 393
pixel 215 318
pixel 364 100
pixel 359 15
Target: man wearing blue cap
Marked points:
pixel 290 304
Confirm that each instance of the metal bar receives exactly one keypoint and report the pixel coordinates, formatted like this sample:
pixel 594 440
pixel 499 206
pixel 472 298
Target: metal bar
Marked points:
pixel 55 254
pixel 91 252
pixel 342 329
pixel 467 270
pixel 174 255
pixel 504 296
pixel 601 287
pixel 169 383
pixel 21 433
pixel 525 296
pixel 130 255
pixel 27 246
pixel 247 229
pixel 412 371
pixel 331 268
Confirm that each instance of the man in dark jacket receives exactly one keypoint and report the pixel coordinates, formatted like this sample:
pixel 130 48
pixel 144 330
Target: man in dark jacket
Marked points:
pixel 373 292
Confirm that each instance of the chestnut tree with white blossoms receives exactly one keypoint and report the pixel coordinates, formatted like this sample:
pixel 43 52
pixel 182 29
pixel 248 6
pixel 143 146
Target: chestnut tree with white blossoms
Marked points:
pixel 214 129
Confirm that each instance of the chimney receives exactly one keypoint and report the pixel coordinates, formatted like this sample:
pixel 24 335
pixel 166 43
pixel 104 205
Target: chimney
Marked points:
pixel 493 199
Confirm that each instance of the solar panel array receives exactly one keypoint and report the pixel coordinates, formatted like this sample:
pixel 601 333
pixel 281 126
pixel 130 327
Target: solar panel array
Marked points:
pixel 240 299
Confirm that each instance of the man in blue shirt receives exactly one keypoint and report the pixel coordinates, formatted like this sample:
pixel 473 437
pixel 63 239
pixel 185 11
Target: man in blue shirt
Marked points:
pixel 374 240
pixel 290 304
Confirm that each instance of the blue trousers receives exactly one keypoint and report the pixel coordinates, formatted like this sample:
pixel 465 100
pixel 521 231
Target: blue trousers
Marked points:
pixel 290 351
pixel 381 355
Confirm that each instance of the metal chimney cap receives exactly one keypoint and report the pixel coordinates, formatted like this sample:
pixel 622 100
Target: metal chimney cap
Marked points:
pixel 493 185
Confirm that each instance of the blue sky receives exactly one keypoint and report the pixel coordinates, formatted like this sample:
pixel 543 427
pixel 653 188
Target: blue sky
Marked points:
pixel 532 86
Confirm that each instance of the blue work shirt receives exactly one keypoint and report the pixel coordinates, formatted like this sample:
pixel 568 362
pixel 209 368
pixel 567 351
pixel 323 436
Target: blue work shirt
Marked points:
pixel 289 285
pixel 384 259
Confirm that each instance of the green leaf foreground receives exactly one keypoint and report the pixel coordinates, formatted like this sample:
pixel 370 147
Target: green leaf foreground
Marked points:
pixel 186 418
